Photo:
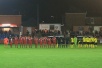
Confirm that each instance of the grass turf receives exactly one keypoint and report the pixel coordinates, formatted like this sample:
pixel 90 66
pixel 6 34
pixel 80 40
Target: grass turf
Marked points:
pixel 50 57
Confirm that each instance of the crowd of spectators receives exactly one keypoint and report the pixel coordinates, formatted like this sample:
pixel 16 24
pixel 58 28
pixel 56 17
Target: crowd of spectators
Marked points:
pixel 8 34
pixel 86 33
pixel 45 32
pixel 41 33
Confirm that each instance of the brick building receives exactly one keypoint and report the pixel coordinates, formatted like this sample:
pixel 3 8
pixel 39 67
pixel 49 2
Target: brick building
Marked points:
pixel 10 22
pixel 81 19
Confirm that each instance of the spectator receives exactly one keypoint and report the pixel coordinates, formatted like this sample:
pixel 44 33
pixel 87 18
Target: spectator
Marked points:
pixel 33 33
pixel 27 32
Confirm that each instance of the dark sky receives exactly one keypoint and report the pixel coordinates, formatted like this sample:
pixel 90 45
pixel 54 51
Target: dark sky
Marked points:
pixel 48 8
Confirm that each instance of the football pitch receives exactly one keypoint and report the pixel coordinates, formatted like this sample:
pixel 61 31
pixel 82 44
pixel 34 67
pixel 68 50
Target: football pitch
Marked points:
pixel 50 57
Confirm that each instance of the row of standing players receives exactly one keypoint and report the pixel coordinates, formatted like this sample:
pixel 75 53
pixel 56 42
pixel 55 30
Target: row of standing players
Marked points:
pixel 87 42
pixel 45 42
pixel 25 41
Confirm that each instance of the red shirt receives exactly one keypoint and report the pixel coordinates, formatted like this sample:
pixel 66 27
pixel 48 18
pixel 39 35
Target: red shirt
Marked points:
pixel 54 40
pixel 36 40
pixel 21 39
pixel 30 40
pixel 16 40
pixel 25 40
pixel 6 40
pixel 41 41
pixel 45 40
pixel 49 40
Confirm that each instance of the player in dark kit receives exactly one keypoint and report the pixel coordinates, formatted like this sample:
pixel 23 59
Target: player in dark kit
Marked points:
pixel 59 42
pixel 54 41
pixel 16 42
pixel 67 41
pixel 11 42
pixel 36 42
pixel 63 42
pixel 72 42
pixel 30 42
pixel 41 42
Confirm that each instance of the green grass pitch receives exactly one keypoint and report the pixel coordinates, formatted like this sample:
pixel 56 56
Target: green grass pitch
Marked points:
pixel 50 57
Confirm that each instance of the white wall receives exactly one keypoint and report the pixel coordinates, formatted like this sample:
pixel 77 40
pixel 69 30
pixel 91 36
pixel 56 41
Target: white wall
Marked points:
pixel 97 28
pixel 44 26
pixel 29 29
pixel 57 27
pixel 47 26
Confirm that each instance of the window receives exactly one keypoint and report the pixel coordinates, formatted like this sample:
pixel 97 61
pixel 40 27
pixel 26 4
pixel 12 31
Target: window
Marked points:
pixel 6 29
pixel 51 27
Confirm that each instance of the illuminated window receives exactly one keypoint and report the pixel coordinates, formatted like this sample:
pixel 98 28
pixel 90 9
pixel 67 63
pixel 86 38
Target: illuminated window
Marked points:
pixel 5 24
pixel 8 25
pixel 6 29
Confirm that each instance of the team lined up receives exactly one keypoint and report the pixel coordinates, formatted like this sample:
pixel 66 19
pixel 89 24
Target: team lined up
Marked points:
pixel 25 41
pixel 88 42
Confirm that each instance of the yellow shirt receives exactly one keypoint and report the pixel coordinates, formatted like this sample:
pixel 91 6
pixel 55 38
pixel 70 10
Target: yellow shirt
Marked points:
pixel 72 39
pixel 95 40
pixel 92 39
pixel 87 39
pixel 83 39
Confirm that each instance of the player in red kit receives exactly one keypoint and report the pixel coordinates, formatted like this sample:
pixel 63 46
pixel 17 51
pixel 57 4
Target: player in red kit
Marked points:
pixel 16 41
pixel 21 41
pixel 41 42
pixel 30 42
pixel 45 42
pixel 11 42
pixel 49 42
pixel 25 41
pixel 54 41
pixel 36 42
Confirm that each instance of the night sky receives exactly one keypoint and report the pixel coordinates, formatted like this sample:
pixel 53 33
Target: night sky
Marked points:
pixel 49 10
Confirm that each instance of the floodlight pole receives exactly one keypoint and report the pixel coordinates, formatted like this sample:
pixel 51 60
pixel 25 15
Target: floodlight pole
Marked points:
pixel 38 15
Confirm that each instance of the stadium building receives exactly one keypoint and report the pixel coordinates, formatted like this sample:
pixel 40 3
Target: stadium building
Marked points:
pixel 80 21
pixel 10 25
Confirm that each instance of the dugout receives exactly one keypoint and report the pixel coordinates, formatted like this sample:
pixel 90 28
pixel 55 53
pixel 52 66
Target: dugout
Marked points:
pixel 9 25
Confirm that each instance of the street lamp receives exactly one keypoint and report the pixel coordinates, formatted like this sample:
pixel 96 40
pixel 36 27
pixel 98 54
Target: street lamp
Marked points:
pixel 43 21
pixel 52 19
pixel 52 16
